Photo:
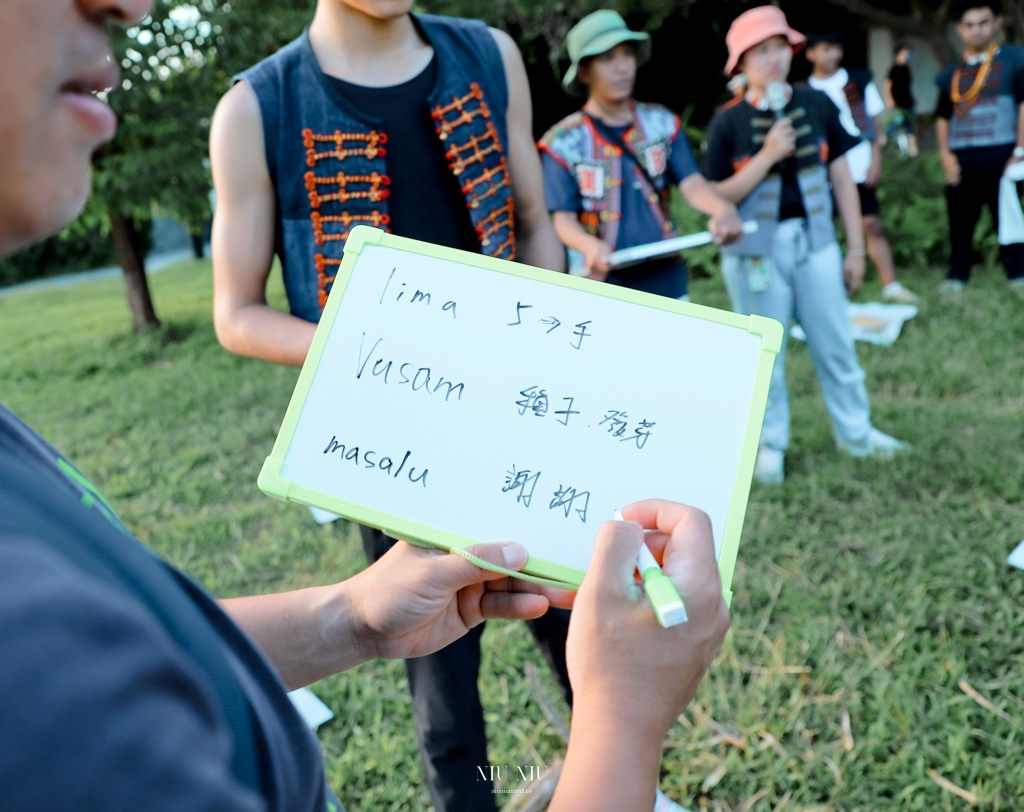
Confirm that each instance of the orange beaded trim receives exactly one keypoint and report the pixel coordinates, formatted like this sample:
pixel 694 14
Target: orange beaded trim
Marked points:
pixel 323 280
pixel 376 191
pixel 473 150
pixel 374 218
pixel 445 126
pixel 371 150
pixel 504 179
pixel 493 223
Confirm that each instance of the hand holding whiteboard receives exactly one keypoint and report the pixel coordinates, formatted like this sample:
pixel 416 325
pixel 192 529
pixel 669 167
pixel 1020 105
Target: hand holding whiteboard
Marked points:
pixel 450 398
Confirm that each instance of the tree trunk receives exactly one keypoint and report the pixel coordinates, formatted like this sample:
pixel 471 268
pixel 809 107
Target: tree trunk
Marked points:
pixel 128 243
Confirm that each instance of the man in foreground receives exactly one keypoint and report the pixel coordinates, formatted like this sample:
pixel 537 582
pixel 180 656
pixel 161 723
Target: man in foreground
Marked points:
pixel 980 126
pixel 126 686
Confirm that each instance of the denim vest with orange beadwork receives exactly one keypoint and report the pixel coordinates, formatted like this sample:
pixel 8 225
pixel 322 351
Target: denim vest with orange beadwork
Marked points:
pixel 328 161
pixel 596 164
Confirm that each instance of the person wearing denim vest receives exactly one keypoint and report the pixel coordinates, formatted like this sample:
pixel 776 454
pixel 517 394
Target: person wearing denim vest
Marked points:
pixel 610 167
pixel 979 121
pixel 298 161
pixel 777 164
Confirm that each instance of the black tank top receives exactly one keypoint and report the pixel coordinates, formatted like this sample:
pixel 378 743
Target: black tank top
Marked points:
pixel 426 202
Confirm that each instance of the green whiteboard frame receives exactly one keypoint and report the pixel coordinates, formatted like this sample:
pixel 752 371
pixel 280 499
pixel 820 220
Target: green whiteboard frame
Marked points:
pixel 272 483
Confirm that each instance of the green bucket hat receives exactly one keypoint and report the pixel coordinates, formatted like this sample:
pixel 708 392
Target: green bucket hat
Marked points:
pixel 596 33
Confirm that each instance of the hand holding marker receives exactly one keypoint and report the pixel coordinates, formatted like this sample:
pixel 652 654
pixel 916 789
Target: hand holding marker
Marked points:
pixel 661 592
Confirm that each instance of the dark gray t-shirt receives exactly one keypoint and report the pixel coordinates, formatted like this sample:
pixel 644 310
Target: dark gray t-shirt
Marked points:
pixel 102 706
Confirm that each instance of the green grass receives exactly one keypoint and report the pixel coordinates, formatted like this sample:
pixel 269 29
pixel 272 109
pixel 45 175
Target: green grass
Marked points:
pixel 864 588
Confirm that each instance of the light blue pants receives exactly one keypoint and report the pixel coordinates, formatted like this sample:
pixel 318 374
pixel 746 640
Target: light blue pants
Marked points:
pixel 808 285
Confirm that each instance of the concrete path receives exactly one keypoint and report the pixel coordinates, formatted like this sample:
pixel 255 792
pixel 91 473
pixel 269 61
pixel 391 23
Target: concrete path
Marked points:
pixel 154 264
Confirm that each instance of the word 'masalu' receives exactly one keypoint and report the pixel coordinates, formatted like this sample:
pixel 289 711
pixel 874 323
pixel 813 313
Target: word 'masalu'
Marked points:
pixel 371 459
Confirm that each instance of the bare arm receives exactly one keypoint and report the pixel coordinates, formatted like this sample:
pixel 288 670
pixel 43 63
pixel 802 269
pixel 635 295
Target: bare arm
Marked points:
pixel 537 243
pixel 950 163
pixel 875 169
pixel 725 224
pixel 780 142
pixel 844 190
pixel 243 239
pixel 887 94
pixel 409 603
pixel 631 678
pixel 595 250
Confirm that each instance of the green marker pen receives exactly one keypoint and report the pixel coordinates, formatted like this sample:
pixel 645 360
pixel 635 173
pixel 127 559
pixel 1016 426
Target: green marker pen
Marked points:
pixel 661 592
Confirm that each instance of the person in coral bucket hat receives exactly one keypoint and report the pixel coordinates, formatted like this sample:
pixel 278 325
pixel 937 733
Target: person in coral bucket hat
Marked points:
pixel 775 151
pixel 754 27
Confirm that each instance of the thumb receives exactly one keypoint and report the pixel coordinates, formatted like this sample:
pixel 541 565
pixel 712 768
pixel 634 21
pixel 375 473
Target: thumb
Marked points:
pixel 614 559
pixel 457 572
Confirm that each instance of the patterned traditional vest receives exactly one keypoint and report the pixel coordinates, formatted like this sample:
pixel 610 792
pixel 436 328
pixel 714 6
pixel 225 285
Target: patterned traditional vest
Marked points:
pixel 762 204
pixel 854 90
pixel 596 164
pixel 328 160
pixel 988 117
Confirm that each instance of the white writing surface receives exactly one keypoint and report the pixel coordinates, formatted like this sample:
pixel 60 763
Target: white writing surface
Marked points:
pixel 502 408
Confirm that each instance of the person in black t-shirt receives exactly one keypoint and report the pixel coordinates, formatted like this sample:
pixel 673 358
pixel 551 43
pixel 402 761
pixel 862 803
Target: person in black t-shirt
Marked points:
pixel 775 152
pixel 433 121
pixel 899 99
pixel 125 686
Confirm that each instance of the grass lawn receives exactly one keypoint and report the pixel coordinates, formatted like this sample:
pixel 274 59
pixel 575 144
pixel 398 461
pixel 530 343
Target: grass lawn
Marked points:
pixel 875 661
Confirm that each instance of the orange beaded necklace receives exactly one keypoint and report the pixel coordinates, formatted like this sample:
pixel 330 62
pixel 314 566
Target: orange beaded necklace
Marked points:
pixel 971 96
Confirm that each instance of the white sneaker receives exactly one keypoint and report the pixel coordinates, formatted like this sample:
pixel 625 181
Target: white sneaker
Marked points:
pixel 876 444
pixel 769 466
pixel 663 804
pixel 951 289
pixel 895 292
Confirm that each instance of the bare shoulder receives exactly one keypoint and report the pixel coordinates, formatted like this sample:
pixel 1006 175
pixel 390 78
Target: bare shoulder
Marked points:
pixel 236 142
pixel 238 109
pixel 509 50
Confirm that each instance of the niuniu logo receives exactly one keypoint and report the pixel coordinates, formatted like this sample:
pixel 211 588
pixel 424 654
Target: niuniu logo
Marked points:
pixel 499 772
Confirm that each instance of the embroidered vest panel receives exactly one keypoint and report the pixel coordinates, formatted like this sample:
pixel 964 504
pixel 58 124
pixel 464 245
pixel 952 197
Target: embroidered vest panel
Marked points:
pixel 855 90
pixel 596 164
pixel 990 117
pixel 328 160
pixel 762 204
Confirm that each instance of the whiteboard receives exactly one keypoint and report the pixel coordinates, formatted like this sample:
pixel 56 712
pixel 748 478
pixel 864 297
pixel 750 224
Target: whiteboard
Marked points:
pixel 453 398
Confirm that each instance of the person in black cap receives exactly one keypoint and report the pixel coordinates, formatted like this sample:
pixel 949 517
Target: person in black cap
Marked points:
pixel 860 104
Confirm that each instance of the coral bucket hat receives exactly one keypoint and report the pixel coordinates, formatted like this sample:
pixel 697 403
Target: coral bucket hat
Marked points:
pixel 755 26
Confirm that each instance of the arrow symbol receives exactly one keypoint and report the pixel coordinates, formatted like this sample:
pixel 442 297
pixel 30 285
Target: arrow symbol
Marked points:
pixel 552 321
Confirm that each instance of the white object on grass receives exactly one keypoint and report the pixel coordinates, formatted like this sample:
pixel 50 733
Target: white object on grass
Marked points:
pixel 872 322
pixel 323 516
pixel 1016 558
pixel 312 710
pixel 1011 218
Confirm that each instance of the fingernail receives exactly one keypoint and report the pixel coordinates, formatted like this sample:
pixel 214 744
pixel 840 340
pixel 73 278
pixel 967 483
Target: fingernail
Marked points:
pixel 515 555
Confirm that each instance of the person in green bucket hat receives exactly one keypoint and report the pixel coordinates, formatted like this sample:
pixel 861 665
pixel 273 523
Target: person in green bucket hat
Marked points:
pixel 609 168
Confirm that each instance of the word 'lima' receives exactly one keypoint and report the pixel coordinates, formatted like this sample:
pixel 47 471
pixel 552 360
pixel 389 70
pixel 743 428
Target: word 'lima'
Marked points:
pixel 385 464
pixel 420 380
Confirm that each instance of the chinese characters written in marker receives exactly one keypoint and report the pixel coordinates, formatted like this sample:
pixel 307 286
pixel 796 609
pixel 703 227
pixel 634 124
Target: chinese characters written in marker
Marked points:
pixel 535 400
pixel 522 483
pixel 568 500
pixel 617 423
pixel 550 324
